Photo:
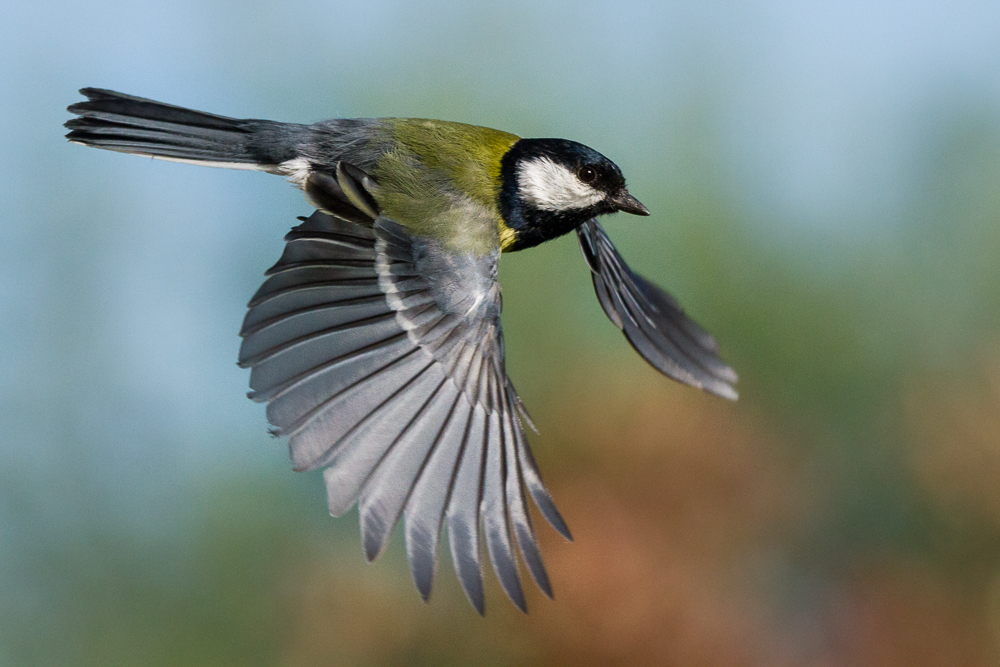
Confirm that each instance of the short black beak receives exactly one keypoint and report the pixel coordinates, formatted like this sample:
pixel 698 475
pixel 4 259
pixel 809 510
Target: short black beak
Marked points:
pixel 629 204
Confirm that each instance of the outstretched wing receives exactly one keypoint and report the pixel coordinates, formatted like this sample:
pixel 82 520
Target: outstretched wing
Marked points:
pixel 381 357
pixel 652 320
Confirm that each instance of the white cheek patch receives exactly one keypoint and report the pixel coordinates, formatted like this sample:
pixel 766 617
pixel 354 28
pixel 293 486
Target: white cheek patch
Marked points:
pixel 552 187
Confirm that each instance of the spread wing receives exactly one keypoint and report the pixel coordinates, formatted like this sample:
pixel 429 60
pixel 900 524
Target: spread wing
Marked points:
pixel 652 320
pixel 381 357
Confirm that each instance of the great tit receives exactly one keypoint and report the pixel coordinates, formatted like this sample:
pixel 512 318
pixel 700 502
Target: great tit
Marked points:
pixel 375 340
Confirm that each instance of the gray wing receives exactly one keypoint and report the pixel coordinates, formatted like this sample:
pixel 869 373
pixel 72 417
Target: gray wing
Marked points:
pixel 652 320
pixel 381 357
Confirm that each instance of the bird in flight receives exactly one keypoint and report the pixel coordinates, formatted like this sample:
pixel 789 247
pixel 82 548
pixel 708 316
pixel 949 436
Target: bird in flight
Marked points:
pixel 375 339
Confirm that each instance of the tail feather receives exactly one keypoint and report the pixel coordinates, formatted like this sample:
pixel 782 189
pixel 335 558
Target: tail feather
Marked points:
pixel 128 124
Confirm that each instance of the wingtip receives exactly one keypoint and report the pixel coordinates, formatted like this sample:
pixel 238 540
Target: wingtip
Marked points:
pixel 556 520
pixel 510 582
pixel 371 547
pixel 725 391
pixel 519 602
pixel 422 571
pixel 375 529
pixel 543 583
pixel 472 586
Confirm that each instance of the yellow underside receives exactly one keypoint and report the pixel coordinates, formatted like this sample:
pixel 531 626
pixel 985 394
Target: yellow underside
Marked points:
pixel 507 236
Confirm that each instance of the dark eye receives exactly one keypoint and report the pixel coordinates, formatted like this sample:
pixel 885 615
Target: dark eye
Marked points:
pixel 587 174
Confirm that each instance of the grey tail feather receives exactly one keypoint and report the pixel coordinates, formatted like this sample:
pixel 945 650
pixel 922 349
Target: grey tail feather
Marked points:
pixel 119 122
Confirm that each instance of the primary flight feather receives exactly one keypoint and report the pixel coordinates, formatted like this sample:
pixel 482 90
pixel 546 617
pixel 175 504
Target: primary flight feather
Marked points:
pixel 376 341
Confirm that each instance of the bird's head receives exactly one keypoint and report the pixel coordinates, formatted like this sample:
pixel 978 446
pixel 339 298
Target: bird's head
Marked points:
pixel 551 186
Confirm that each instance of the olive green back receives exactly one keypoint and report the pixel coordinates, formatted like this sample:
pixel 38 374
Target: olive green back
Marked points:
pixel 442 180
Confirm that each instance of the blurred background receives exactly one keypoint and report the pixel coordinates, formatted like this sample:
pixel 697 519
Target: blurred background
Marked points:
pixel 825 187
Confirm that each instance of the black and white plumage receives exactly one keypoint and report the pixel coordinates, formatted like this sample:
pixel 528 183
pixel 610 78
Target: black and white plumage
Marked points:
pixel 376 340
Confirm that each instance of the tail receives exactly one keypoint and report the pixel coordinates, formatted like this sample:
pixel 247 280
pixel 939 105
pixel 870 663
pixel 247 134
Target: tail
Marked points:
pixel 128 124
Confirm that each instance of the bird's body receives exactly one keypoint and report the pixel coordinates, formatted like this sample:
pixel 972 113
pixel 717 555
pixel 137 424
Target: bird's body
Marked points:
pixel 376 338
pixel 437 179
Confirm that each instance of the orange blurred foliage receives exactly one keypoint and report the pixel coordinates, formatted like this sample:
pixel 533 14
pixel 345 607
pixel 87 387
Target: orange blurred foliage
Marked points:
pixel 685 512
